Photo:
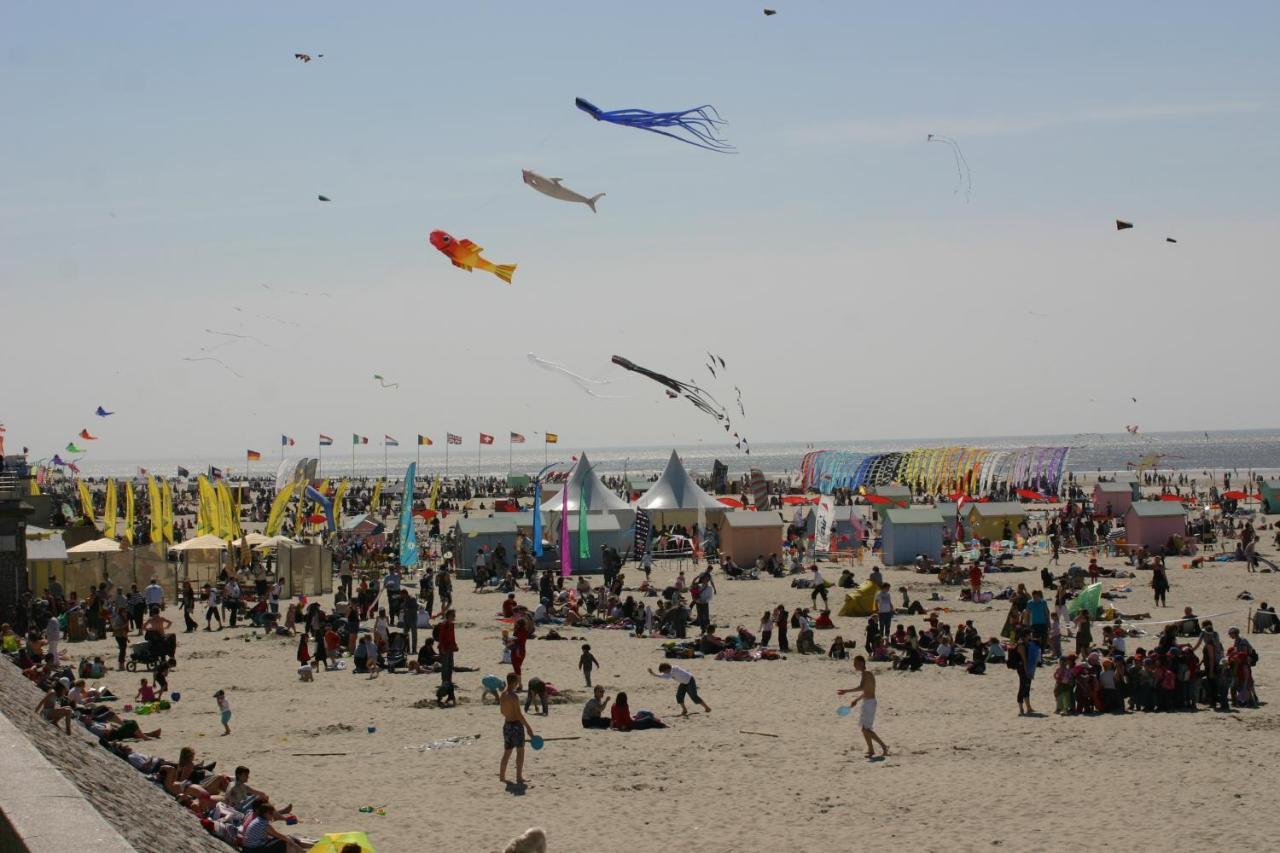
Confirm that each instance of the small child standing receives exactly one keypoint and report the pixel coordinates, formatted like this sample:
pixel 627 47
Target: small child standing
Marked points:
pixel 1063 689
pixel 224 711
pixel 586 662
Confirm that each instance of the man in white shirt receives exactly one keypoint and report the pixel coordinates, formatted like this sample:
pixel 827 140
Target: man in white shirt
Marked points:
pixel 231 592
pixel 686 685
pixel 154 594
pixel 884 608
pixel 819 586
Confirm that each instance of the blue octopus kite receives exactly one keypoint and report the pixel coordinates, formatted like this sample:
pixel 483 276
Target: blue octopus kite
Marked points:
pixel 701 123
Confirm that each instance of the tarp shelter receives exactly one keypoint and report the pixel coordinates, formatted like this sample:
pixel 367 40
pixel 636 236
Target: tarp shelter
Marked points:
pixel 988 520
pixel 911 532
pixel 896 494
pixel 1270 490
pixel 599 496
pixel 305 569
pixel 488 532
pixel 1117 496
pixel 860 602
pixel 1090 598
pixel 746 536
pixel 676 491
pixel 46 558
pixel 1151 524
pixel 603 528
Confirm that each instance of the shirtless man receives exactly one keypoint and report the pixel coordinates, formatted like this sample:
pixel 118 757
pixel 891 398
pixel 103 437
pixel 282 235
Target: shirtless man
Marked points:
pixel 514 727
pixel 867 687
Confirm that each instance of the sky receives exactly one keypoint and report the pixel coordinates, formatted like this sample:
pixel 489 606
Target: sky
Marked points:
pixel 160 164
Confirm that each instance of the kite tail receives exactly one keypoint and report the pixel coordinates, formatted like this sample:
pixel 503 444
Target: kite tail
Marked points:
pixel 504 271
pixel 591 202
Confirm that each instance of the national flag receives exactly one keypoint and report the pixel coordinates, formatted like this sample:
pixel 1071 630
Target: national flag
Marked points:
pixel 252 455
pixel 359 439
pixel 286 441
pixel 517 438
pixel 485 438
pixel 424 441
pixel 84 433
pixel 454 439
pixel 552 438
pixel 388 441
pixel 183 472
pixel 215 473
pixel 325 440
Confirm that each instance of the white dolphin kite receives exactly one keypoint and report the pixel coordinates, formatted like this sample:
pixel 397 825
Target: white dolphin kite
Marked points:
pixel 553 188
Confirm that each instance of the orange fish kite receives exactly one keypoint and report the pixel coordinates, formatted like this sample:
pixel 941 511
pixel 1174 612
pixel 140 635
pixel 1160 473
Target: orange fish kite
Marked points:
pixel 466 254
pixel 84 433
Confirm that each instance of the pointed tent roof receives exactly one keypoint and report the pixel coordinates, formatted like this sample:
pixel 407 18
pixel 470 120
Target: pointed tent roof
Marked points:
pixel 675 489
pixel 598 495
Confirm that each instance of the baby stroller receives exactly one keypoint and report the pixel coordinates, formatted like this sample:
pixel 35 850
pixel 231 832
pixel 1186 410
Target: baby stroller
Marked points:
pixel 395 654
pixel 145 654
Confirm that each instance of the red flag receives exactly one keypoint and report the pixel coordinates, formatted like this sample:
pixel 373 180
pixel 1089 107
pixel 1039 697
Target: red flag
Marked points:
pixel 485 438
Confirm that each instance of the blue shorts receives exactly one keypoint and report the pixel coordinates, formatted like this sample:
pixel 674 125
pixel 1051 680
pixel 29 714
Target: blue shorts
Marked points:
pixel 226 717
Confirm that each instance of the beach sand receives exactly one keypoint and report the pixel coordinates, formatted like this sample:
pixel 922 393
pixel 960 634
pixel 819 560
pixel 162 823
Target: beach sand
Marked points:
pixel 965 773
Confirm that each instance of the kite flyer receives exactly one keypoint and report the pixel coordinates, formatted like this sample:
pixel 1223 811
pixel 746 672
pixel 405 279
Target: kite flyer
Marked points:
pixel 514 726
pixel 867 687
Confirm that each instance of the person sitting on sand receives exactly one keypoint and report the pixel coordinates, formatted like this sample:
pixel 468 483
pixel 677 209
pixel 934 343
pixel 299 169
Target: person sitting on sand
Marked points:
pixel 837 650
pixel 146 693
pixel 620 716
pixel 240 796
pixel 258 833
pixel 177 780
pixel 50 708
pixel 593 712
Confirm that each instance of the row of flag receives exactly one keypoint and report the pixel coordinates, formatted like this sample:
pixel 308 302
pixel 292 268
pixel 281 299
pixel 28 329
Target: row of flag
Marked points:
pixel 388 441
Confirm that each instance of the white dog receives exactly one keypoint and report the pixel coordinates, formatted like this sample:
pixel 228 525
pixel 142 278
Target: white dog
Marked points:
pixel 532 841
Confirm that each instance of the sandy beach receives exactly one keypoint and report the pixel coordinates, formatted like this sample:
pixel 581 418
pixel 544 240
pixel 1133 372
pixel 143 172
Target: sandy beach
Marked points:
pixel 964 772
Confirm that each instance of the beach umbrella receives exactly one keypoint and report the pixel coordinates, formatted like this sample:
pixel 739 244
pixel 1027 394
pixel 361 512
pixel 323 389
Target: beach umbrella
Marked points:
pixel 269 542
pixel 208 542
pixel 96 546
pixel 1226 496
pixel 335 841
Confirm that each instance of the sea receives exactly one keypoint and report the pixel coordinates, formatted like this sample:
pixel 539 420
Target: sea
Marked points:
pixel 1256 450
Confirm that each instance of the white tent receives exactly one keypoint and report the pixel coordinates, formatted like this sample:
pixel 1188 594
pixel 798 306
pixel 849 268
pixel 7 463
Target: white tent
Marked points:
pixel 676 490
pixel 598 495
pixel 96 546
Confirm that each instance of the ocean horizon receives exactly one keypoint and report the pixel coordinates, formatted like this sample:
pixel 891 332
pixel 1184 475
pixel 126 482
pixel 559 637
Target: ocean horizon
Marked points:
pixel 1238 450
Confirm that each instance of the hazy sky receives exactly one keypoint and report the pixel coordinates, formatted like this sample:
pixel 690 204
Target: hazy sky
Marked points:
pixel 160 163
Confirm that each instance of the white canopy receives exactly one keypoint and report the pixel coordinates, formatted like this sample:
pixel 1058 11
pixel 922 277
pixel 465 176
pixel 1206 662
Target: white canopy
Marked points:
pixel 268 543
pixel 675 489
pixel 208 542
pixel 96 546
pixel 598 495
pixel 250 539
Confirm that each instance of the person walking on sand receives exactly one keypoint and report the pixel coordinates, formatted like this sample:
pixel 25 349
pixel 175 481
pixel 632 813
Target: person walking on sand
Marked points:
pixel 867 719
pixel 514 728
pixel 686 685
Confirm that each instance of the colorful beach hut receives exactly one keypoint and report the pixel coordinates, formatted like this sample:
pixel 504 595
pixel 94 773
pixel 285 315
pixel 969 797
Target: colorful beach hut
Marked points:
pixel 1270 490
pixel 1113 499
pixel 603 528
pixel 488 533
pixel 746 536
pixel 1151 524
pixel 988 520
pixel 911 532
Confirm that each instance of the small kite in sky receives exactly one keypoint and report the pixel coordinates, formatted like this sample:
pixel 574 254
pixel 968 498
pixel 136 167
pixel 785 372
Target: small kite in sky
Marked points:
pixel 1134 399
pixel 71 448
pixel 385 383
pixel 466 255
pixel 770 12
pixel 586 383
pixel 1170 240
pixel 306 57
pixel 218 360
pixel 698 126
pixel 1121 225
pixel 1132 429
pixel 552 187
pixel 692 392
pixel 964 180
pixel 102 413
pixel 84 433
pixel 323 198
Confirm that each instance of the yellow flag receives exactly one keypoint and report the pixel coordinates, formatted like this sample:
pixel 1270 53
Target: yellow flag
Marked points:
pixel 86 501
pixel 376 499
pixel 230 513
pixel 206 509
pixel 109 513
pixel 128 512
pixel 337 501
pixel 435 492
pixel 166 504
pixel 35 487
pixel 155 509
pixel 275 518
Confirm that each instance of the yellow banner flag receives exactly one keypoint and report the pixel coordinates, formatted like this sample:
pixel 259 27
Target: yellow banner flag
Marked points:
pixel 228 513
pixel 275 518
pixel 86 501
pixel 337 501
pixel 128 512
pixel 435 492
pixel 166 506
pixel 109 512
pixel 206 509
pixel 155 510
pixel 35 487
pixel 376 499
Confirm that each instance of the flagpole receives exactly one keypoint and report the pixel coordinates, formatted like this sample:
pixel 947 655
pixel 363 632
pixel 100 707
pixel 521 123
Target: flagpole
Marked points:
pixel 319 456
pixel 509 443
pixel 353 457
pixel 446 455
pixel 384 457
pixel 418 463
pixel 479 450
pixel 544 449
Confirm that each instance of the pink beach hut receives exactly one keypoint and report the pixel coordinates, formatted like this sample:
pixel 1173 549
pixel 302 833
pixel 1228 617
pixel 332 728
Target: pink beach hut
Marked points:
pixel 1116 496
pixel 1152 524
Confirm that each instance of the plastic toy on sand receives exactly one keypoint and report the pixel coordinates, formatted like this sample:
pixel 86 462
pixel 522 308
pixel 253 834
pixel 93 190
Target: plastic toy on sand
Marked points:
pixel 844 710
